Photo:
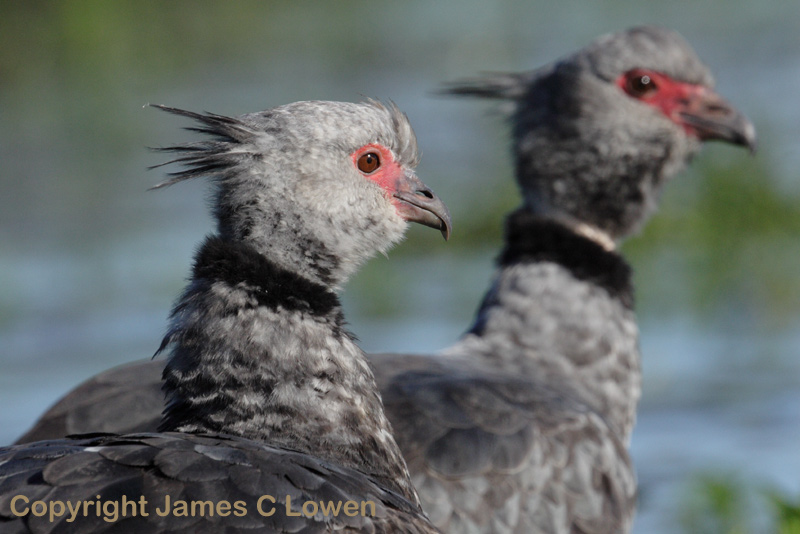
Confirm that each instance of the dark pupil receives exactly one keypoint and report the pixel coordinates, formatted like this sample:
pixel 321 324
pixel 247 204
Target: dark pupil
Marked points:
pixel 642 84
pixel 368 162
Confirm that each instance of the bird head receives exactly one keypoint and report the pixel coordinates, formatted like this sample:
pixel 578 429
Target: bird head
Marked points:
pixel 599 132
pixel 317 186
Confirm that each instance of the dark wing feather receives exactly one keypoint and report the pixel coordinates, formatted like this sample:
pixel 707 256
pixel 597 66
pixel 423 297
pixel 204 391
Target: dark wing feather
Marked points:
pixel 191 468
pixel 121 400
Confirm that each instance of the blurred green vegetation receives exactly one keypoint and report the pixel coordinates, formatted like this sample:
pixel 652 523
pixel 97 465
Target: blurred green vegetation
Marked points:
pixel 733 233
pixel 116 41
pixel 787 512
pixel 724 504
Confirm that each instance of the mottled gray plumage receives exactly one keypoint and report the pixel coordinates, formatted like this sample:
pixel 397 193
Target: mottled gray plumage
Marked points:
pixel 522 425
pixel 267 392
pixel 530 437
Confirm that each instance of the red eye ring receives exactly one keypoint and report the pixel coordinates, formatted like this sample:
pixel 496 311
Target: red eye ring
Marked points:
pixel 369 162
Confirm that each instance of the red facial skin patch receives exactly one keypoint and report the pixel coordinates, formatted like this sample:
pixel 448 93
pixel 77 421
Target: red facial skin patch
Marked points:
pixel 665 94
pixel 389 175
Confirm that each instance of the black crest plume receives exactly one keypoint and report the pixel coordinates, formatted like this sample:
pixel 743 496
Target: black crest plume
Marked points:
pixel 212 156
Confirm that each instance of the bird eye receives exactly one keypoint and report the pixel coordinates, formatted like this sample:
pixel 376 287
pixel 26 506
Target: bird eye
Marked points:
pixel 369 163
pixel 640 85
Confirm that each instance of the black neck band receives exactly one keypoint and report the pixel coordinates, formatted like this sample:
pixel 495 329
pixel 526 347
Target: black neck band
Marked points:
pixel 532 238
pixel 237 263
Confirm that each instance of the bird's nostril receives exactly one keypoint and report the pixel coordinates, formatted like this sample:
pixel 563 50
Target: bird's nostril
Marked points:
pixel 716 108
pixel 425 193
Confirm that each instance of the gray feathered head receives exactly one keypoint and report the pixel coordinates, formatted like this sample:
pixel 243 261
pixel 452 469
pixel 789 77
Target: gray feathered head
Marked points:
pixel 316 186
pixel 598 133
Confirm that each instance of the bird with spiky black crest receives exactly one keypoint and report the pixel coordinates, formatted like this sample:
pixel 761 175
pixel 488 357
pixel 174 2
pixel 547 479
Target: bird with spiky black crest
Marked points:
pixel 267 392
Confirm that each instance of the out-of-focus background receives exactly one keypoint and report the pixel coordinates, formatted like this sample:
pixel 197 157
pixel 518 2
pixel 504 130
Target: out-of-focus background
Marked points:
pixel 91 260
